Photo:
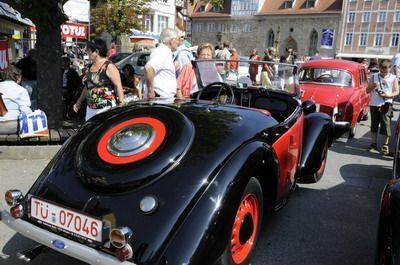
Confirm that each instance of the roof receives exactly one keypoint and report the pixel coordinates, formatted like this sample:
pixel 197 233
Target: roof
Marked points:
pixel 332 63
pixel 276 7
pixel 12 14
pixel 271 7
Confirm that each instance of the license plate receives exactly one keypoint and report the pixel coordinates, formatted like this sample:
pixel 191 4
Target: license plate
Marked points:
pixel 66 219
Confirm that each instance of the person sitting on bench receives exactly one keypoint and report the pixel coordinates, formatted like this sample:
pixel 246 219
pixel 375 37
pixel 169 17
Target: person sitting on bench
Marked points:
pixel 16 100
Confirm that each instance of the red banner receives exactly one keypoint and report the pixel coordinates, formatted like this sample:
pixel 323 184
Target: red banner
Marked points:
pixel 74 30
pixel 4 60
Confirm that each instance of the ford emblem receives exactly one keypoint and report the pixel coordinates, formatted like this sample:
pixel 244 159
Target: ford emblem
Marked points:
pixel 58 244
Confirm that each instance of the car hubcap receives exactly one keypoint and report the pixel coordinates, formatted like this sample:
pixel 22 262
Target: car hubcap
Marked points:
pixel 244 229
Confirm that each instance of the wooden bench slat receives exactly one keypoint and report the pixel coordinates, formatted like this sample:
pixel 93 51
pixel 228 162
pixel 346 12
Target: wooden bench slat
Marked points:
pixel 54 135
pixel 63 134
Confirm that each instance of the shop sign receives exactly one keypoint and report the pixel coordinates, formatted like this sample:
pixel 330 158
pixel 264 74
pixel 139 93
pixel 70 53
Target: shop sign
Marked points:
pixel 4 60
pixel 327 38
pixel 74 30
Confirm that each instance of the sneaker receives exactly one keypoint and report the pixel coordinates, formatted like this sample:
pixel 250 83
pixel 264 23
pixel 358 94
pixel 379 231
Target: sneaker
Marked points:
pixel 385 150
pixel 373 147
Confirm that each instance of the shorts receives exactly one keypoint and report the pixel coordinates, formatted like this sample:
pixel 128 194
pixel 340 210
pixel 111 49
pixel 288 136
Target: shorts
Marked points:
pixel 382 119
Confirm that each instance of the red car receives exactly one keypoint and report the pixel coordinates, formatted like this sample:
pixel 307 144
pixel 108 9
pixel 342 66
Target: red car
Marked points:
pixel 338 88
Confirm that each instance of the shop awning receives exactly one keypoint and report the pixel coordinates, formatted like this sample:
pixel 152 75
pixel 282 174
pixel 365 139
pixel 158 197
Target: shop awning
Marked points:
pixel 138 33
pixel 9 12
pixel 364 55
pixel 143 41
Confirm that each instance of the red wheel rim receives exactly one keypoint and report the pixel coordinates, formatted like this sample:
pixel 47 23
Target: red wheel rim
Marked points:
pixel 242 241
pixel 322 167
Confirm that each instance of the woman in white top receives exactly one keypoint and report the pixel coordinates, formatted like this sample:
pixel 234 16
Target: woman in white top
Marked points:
pixel 383 87
pixel 15 98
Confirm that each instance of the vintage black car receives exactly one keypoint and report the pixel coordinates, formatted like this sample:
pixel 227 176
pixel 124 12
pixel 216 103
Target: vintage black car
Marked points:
pixel 388 251
pixel 187 182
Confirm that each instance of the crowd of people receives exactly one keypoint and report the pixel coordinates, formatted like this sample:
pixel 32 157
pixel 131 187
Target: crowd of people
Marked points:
pixel 168 75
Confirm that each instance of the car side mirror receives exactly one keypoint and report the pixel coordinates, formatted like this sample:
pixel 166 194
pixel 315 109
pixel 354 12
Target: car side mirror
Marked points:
pixel 309 106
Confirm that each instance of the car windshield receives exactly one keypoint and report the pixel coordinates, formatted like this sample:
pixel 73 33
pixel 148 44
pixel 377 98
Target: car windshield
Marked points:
pixel 119 56
pixel 331 76
pixel 248 73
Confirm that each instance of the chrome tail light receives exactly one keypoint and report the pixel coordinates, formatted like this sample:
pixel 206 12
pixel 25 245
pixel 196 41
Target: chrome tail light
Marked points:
pixel 13 197
pixel 17 211
pixel 124 253
pixel 119 237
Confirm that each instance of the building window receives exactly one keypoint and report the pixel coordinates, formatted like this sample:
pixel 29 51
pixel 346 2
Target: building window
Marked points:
pixel 244 7
pixel 313 42
pixel 378 39
pixel 288 4
pixel 351 17
pixel 198 27
pixel 149 23
pixel 210 27
pixel 162 22
pixel 366 17
pixel 397 16
pixel 217 9
pixel 349 39
pixel 247 28
pixel 395 40
pixel 363 39
pixel 382 17
pixel 271 38
pixel 309 3
pixel 202 8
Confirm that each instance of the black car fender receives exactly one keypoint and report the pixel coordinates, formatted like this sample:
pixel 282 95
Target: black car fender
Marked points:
pixel 388 243
pixel 317 130
pixel 204 234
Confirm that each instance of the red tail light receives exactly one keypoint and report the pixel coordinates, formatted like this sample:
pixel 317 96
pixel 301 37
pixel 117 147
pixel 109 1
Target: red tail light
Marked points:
pixel 124 253
pixel 17 211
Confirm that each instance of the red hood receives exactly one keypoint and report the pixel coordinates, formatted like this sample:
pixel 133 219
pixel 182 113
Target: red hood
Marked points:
pixel 325 94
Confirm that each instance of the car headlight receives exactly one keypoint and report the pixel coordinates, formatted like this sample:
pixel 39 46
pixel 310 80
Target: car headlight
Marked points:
pixel 131 140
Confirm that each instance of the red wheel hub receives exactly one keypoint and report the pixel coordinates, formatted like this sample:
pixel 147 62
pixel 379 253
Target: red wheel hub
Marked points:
pixel 245 228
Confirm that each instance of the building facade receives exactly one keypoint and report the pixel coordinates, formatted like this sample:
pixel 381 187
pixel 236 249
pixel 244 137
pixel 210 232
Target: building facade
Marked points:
pixel 306 26
pixel 370 29
pixel 14 35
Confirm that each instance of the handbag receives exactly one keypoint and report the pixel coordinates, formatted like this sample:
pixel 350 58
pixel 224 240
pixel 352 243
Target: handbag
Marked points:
pixel 33 124
pixel 3 108
pixel 385 108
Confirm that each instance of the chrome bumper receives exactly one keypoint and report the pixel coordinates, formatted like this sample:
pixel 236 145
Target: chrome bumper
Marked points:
pixel 342 125
pixel 72 248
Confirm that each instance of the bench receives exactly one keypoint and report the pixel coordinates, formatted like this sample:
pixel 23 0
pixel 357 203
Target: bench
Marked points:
pixel 56 137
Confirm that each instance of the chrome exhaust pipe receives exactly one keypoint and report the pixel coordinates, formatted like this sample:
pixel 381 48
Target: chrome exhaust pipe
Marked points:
pixel 29 254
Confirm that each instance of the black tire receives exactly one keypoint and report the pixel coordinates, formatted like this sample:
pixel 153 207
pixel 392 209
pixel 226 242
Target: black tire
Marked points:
pixel 247 228
pixel 317 174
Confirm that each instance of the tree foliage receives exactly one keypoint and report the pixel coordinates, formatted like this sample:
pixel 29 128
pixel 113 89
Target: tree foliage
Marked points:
pixel 219 3
pixel 119 16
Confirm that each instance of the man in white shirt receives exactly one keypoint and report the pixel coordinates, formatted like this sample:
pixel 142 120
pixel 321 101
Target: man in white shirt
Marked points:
pixel 383 87
pixel 160 70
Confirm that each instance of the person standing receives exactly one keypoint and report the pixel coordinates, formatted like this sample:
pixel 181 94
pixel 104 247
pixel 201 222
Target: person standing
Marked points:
pixel 267 71
pixel 316 56
pixel 27 65
pixel 70 85
pixel 253 67
pixel 224 54
pixel 112 50
pixel 383 87
pixel 395 69
pixel 182 56
pixel 234 66
pixel 103 88
pixel 289 56
pixel 160 69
